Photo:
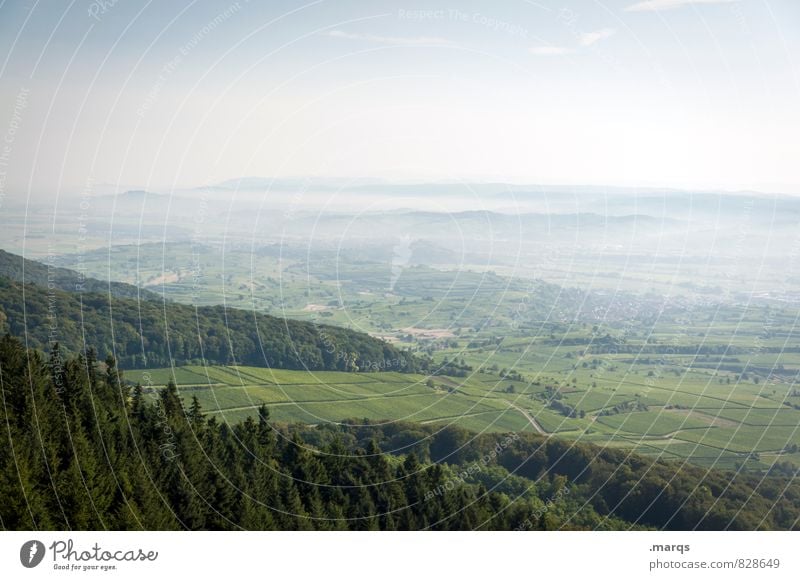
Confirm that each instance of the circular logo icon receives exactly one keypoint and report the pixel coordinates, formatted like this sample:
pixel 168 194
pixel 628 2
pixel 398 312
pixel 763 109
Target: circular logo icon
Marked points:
pixel 31 553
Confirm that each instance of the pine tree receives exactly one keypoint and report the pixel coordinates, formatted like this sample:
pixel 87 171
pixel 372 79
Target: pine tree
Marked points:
pixel 195 415
pixel 170 401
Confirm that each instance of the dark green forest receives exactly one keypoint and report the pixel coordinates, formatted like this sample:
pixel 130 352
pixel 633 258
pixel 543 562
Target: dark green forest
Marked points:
pixel 151 334
pixel 83 450
pixel 21 269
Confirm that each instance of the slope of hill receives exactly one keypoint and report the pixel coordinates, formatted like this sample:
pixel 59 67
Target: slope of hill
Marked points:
pixel 143 334
pixel 21 269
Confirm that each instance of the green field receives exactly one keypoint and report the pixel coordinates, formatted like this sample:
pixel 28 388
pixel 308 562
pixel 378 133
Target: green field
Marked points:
pixel 709 427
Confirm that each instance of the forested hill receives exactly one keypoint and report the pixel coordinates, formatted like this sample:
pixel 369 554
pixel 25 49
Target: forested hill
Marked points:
pixel 82 451
pixel 143 334
pixel 21 269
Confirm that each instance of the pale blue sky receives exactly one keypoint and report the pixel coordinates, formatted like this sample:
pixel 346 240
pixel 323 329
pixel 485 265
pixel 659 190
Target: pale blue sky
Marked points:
pixel 682 93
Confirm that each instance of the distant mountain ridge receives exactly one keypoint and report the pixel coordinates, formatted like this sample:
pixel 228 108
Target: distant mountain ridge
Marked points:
pixel 373 185
pixel 138 194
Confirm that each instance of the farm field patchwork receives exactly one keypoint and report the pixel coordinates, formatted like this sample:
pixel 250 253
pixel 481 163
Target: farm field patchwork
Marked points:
pixel 710 427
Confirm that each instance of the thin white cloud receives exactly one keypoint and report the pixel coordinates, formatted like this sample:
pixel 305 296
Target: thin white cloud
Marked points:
pixel 584 39
pixel 396 40
pixel 659 5
pixel 551 50
pixel 589 38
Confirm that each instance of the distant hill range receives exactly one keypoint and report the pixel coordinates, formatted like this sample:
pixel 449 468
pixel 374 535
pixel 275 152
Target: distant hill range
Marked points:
pixel 138 194
pixel 156 333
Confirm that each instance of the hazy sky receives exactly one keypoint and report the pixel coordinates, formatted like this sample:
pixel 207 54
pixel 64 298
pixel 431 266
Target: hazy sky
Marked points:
pixel 152 94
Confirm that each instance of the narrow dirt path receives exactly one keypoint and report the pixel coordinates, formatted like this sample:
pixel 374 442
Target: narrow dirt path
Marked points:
pixel 530 419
